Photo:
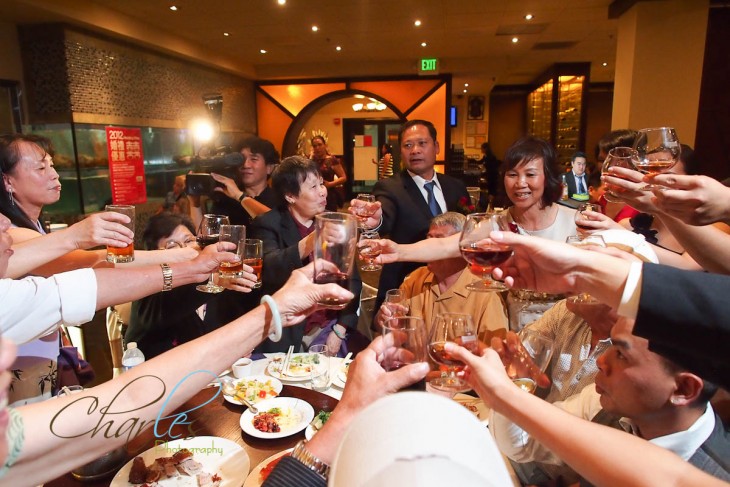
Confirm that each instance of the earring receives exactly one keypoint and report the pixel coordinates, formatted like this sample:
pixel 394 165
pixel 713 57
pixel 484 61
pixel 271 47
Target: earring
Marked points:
pixel 674 400
pixel 12 200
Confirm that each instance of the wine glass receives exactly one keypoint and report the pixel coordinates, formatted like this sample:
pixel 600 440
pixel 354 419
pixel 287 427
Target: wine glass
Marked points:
pixel 457 328
pixel 584 241
pixel 523 369
pixel 396 302
pixel 579 214
pixel 335 243
pixel 619 157
pixel 369 252
pixel 657 151
pixel 365 211
pixel 208 234
pixel 404 339
pixel 481 252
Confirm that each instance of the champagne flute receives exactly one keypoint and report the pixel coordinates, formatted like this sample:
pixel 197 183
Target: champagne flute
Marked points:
pixel 365 211
pixel 481 252
pixel 369 252
pixel 657 151
pixel 457 328
pixel 208 234
pixel 619 157
pixel 584 241
pixel 539 349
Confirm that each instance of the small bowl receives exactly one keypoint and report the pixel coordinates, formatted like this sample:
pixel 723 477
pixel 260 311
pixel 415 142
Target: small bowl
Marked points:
pixel 242 368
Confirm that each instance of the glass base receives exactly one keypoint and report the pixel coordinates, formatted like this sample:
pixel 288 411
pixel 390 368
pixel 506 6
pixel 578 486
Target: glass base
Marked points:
pixel 209 288
pixel 332 304
pixel 449 384
pixel 583 298
pixel 486 286
pixel 371 267
pixel 119 259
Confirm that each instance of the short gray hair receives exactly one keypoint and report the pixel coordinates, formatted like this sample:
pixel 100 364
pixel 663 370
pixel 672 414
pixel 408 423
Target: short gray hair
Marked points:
pixel 450 218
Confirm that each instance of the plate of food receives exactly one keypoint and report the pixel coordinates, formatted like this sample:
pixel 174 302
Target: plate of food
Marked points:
pixel 261 472
pixel 341 375
pixel 207 461
pixel 277 418
pixel 319 420
pixel 255 388
pixel 475 405
pixel 298 369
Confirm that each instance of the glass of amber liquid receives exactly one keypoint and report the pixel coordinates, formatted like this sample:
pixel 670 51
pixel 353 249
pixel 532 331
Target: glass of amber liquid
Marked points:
pixel 235 234
pixel 120 255
pixel 253 255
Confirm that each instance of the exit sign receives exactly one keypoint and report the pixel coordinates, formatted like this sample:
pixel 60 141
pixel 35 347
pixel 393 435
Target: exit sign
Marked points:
pixel 428 66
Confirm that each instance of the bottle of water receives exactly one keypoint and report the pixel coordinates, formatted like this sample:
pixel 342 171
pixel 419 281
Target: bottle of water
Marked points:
pixel 132 357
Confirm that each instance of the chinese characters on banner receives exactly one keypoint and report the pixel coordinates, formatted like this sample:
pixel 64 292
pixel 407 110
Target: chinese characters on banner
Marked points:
pixel 126 165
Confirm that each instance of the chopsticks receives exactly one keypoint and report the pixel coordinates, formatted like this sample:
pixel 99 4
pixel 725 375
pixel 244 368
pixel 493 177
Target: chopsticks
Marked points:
pixel 347 357
pixel 285 365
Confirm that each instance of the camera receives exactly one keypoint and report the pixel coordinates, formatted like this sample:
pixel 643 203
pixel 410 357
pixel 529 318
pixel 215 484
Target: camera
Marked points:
pixel 223 161
pixel 197 184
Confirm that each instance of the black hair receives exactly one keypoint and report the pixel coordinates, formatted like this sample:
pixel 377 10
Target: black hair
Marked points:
pixel 688 158
pixel 487 150
pixel 616 138
pixel 708 388
pixel 162 225
pixel 578 154
pixel 257 145
pixel 594 179
pixel 9 158
pixel 320 137
pixel 288 176
pixel 412 123
pixel 528 149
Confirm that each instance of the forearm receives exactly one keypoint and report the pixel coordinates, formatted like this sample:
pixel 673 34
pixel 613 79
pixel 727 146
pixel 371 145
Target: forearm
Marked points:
pixel 253 207
pixel 156 257
pixel 708 245
pixel 430 249
pixel 47 455
pixel 602 276
pixel 36 252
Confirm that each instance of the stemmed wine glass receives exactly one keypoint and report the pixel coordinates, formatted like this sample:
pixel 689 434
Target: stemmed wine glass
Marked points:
pixel 457 328
pixel 396 302
pixel 208 233
pixel 481 252
pixel 619 157
pixel 365 211
pixel 584 241
pixel 523 369
pixel 657 151
pixel 369 252
pixel 579 214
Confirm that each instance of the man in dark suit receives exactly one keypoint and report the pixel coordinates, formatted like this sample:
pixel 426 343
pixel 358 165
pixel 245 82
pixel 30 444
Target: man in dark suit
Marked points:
pixel 411 198
pixel 577 179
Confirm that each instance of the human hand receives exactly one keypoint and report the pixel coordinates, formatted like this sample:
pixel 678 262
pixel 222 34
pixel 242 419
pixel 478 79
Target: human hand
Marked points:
pixel 517 361
pixel 627 185
pixel 596 221
pixel 207 261
pixel 695 200
pixel 229 188
pixel 299 296
pixel 388 249
pixel 333 343
pixel 100 229
pixel 374 210
pixel 243 284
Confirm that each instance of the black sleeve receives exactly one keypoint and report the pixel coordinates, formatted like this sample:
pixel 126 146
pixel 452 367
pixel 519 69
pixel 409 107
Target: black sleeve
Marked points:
pixel 164 309
pixel 348 317
pixel 388 204
pixel 279 262
pixel 291 473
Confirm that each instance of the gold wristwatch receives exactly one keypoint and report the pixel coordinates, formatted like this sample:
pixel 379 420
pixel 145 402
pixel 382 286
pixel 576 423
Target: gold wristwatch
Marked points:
pixel 305 457
pixel 166 277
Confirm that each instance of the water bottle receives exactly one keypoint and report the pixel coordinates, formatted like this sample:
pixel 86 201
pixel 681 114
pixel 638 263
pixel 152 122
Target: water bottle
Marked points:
pixel 132 357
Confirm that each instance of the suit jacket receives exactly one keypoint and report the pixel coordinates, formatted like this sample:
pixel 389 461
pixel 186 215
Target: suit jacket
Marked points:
pixel 684 315
pixel 573 184
pixel 406 217
pixel 281 257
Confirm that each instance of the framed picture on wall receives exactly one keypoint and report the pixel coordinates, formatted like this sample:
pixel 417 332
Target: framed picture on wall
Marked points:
pixel 479 140
pixel 475 110
pixel 470 143
pixel 470 129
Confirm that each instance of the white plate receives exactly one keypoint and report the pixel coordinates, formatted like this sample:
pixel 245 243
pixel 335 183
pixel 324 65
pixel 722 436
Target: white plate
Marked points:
pixel 341 376
pixel 275 384
pixel 301 406
pixel 273 370
pixel 309 432
pixel 253 478
pixel 229 461
pixel 482 410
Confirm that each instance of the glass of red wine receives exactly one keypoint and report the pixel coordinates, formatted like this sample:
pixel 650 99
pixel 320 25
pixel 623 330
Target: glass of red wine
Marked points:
pixel 405 343
pixel 481 252
pixel 619 157
pixel 335 244
pixel 657 151
pixel 457 328
pixel 208 234
pixel 369 252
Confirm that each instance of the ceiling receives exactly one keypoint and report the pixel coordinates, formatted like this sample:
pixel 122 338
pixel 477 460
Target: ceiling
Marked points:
pixel 471 38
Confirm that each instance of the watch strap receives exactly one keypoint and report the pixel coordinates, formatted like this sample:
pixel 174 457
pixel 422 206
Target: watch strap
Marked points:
pixel 166 277
pixel 305 457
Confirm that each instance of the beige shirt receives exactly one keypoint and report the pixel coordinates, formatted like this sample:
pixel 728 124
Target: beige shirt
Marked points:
pixel 427 301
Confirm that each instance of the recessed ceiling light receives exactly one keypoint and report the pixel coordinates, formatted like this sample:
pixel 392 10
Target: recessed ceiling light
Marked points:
pixel 417 23
pixel 173 8
pixel 528 17
pixel 515 40
pixel 339 48
pixel 466 84
pixel 262 51
pixel 281 2
pixel 315 28
pixel 465 91
pixel 423 44
pixel 226 34
pixel 604 64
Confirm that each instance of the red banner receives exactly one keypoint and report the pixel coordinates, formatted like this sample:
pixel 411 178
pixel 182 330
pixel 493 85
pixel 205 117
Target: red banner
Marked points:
pixel 126 165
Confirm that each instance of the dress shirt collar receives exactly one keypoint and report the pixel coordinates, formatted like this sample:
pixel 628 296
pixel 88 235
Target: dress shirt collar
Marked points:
pixel 421 182
pixel 683 443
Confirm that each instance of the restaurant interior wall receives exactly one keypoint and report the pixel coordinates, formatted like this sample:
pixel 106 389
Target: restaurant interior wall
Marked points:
pixel 78 83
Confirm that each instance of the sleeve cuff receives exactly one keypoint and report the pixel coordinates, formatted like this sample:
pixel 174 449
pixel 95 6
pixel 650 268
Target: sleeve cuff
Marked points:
pixel 77 292
pixel 629 305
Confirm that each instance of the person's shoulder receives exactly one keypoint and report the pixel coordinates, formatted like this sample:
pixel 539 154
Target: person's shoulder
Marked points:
pixel 393 181
pixel 271 218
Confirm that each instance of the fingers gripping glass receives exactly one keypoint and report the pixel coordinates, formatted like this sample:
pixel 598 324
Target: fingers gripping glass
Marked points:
pixel 657 151
pixel 456 328
pixel 481 252
pixel 209 233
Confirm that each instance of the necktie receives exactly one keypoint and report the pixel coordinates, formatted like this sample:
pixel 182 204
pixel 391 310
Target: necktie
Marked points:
pixel 581 188
pixel 432 203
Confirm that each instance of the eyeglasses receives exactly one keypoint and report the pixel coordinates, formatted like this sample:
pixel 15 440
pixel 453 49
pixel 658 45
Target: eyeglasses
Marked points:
pixel 174 244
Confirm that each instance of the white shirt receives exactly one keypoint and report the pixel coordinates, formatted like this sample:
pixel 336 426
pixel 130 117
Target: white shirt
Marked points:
pixel 437 191
pixel 578 181
pixel 33 307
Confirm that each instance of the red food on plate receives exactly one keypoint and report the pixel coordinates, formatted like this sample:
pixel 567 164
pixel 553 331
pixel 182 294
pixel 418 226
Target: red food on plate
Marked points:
pixel 266 422
pixel 264 474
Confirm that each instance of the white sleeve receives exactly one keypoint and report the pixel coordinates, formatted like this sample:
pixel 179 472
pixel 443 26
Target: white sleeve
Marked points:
pixel 33 307
pixel 629 305
pixel 516 444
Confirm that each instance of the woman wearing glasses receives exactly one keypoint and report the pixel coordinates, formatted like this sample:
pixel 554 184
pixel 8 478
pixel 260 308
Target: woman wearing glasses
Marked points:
pixel 164 320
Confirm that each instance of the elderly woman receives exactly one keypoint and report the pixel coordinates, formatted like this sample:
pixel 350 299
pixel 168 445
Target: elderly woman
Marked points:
pixel 288 235
pixel 333 174
pixel 532 185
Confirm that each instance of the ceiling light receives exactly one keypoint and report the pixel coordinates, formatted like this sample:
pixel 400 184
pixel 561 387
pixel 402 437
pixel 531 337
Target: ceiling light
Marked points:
pixel 371 106
pixel 515 40
pixel 339 48
pixel 465 91
pixel 604 64
pixel 263 51
pixel 281 2
pixel 466 84
pixel 226 34
pixel 423 44
pixel 528 17
pixel 315 28
pixel 173 8
pixel 417 23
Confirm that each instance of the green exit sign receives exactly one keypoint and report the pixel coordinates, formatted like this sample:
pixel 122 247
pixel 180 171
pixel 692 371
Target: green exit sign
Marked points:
pixel 428 66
